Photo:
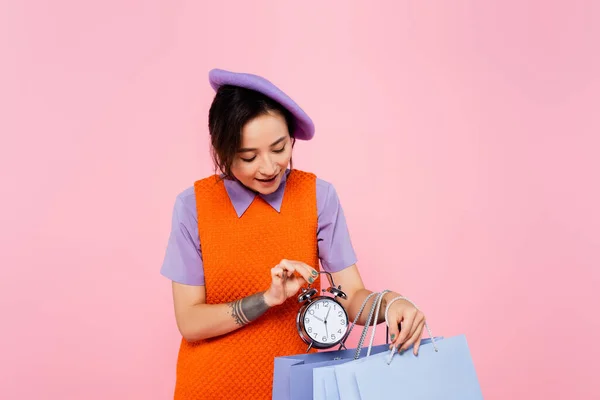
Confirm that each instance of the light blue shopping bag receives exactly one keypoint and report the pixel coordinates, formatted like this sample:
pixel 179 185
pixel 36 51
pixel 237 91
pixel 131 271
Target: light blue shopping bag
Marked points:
pixel 447 373
pixel 442 370
pixel 293 375
pixel 325 385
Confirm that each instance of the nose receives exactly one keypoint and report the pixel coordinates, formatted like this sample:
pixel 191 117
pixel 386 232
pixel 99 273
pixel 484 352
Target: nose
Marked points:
pixel 268 167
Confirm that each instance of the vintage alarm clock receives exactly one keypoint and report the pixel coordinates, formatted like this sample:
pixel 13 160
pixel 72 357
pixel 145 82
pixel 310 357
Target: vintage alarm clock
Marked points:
pixel 322 321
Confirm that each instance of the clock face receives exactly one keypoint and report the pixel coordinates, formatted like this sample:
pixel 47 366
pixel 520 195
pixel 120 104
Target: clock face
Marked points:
pixel 325 321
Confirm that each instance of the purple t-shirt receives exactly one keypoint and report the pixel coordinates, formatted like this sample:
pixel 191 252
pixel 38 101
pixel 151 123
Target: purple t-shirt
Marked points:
pixel 183 257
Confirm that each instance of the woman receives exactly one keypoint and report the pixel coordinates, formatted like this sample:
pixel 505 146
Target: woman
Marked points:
pixel 244 242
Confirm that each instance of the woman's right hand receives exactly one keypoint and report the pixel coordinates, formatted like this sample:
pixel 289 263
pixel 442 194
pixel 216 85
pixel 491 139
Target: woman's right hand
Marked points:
pixel 285 284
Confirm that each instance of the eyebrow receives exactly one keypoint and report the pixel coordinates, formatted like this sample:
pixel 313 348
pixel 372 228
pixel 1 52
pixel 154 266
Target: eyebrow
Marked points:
pixel 245 149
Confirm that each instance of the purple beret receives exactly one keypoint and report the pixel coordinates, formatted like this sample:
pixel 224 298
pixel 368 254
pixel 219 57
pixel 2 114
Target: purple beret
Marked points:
pixel 304 127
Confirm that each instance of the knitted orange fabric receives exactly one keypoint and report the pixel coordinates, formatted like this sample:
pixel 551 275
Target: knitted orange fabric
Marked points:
pixel 238 254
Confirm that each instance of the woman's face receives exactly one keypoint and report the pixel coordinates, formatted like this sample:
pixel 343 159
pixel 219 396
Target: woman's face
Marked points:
pixel 265 153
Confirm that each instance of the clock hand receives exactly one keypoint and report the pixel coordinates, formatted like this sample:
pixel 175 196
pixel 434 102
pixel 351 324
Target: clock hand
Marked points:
pixel 327 314
pixel 314 316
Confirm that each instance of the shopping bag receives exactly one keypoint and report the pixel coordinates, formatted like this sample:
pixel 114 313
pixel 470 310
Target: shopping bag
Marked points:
pixel 301 375
pixel 324 379
pixel 293 375
pixel 443 369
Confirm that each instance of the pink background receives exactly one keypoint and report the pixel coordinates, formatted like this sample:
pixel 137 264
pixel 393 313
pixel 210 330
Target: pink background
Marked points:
pixel 462 139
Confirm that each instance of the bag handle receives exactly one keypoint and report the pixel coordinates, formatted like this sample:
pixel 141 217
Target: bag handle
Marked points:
pixel 376 305
pixel 373 313
pixel 379 301
pixel 387 309
pixel 360 311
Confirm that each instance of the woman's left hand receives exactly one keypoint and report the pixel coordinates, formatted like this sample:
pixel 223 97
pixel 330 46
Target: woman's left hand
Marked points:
pixel 403 314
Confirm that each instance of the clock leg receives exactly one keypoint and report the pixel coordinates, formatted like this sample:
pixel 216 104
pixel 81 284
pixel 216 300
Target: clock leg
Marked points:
pixel 309 347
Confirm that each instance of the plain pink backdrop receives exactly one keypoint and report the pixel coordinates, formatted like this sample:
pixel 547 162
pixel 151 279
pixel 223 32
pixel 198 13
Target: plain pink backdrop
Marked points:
pixel 462 138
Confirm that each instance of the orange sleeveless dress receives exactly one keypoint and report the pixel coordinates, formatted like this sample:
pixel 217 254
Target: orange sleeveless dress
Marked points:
pixel 238 254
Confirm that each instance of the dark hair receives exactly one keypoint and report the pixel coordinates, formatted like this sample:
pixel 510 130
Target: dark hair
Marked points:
pixel 231 109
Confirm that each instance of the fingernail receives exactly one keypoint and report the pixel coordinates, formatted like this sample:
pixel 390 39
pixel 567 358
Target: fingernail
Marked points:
pixel 315 273
pixel 393 335
pixel 310 280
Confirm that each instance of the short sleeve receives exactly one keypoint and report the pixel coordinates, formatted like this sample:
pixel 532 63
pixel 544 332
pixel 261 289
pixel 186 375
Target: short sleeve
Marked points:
pixel 183 257
pixel 333 238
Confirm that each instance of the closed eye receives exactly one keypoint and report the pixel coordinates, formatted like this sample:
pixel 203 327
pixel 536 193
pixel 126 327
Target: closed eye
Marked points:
pixel 281 150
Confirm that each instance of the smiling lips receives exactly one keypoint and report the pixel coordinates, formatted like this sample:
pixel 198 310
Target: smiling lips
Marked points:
pixel 268 180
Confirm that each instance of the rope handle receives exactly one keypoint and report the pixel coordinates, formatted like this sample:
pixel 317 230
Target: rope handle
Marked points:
pixel 373 313
pixel 379 301
pixel 376 305
pixel 360 311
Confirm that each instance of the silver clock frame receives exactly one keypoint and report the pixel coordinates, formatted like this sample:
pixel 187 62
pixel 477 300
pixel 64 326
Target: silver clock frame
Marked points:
pixel 307 298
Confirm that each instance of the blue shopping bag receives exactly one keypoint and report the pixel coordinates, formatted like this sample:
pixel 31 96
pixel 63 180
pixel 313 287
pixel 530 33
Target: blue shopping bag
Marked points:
pixel 443 369
pixel 293 375
pixel 324 384
pixel 324 376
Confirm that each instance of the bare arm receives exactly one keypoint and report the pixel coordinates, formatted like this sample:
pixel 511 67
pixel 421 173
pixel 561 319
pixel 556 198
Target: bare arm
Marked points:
pixel 197 320
pixel 352 284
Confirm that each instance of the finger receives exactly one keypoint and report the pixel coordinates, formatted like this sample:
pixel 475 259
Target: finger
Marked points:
pixel 419 337
pixel 415 325
pixel 407 326
pixel 419 317
pixel 413 338
pixel 277 272
pixel 394 330
pixel 303 270
pixel 303 266
pixel 311 270
pixel 287 269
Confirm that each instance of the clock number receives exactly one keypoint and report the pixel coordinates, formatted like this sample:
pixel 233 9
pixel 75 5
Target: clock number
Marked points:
pixel 340 331
pixel 326 304
pixel 332 336
pixel 343 322
pixel 317 305
pixel 309 330
pixel 324 338
pixel 307 321
pixel 311 311
pixel 340 314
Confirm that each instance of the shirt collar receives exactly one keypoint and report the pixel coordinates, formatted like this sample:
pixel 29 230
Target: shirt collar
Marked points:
pixel 241 197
